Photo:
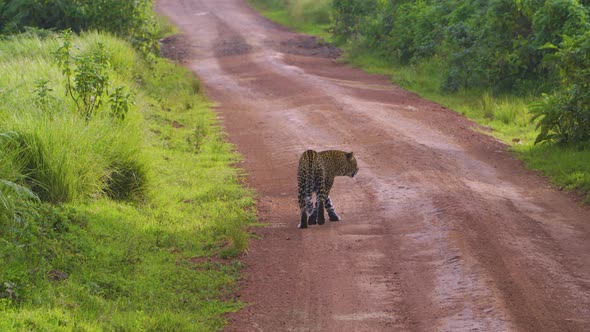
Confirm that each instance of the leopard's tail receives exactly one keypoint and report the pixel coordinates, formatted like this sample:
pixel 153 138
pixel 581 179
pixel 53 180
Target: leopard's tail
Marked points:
pixel 305 177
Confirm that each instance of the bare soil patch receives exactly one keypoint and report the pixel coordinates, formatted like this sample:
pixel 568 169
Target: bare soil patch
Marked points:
pixel 309 46
pixel 176 48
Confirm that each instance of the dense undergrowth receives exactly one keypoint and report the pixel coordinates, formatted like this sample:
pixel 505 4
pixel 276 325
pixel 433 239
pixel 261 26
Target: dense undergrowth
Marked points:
pixel 106 221
pixel 134 20
pixel 518 67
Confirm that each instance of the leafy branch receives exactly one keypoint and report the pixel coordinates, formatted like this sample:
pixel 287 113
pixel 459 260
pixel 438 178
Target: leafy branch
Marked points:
pixel 88 80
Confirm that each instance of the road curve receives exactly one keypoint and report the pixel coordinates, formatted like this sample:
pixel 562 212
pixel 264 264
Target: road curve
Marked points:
pixel 442 229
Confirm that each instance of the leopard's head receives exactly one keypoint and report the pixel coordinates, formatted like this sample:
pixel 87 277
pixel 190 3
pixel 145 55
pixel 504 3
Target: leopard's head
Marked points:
pixel 351 167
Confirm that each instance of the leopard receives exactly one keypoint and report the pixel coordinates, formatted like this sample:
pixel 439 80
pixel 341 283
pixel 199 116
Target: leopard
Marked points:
pixel 315 175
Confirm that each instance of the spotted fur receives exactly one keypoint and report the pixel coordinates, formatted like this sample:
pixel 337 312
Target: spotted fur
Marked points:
pixel 315 174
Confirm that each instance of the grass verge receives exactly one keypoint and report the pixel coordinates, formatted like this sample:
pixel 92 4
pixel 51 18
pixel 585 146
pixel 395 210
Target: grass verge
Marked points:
pixel 308 16
pixel 506 115
pixel 80 259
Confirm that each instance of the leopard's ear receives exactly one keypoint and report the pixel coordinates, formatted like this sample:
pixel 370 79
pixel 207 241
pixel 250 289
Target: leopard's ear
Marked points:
pixel 349 155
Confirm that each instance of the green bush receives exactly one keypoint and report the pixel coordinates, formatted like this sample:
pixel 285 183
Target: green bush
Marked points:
pixel 131 19
pixel 87 80
pixel 564 116
pixel 496 45
pixel 557 18
pixel 493 45
pixel 348 15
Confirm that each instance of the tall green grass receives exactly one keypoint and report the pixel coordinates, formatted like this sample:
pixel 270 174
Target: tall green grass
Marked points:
pixel 567 167
pixel 63 158
pixel 115 225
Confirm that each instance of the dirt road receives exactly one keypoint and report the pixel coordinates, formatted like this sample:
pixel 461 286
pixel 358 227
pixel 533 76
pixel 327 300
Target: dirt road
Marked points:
pixel 442 229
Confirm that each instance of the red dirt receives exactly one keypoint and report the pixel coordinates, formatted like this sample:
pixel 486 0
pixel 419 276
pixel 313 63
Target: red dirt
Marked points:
pixel 442 230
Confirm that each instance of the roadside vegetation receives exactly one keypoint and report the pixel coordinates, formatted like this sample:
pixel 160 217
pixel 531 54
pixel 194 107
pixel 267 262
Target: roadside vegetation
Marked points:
pixel 521 68
pixel 119 205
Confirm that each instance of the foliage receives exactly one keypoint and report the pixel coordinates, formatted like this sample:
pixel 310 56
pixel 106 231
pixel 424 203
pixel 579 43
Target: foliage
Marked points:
pixel 199 134
pixel 348 15
pixel 87 80
pixel 62 158
pixel 488 44
pixel 42 94
pixel 131 19
pixel 120 101
pixel 58 156
pixel 564 116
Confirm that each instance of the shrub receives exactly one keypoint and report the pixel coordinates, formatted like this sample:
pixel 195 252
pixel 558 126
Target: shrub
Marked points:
pixel 492 45
pixel 557 18
pixel 199 134
pixel 131 19
pixel 348 14
pixel 88 80
pixel 564 116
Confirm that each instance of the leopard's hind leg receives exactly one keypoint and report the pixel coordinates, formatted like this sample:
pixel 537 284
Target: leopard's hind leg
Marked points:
pixel 322 196
pixel 317 215
pixel 303 219
pixel 306 208
pixel 333 216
